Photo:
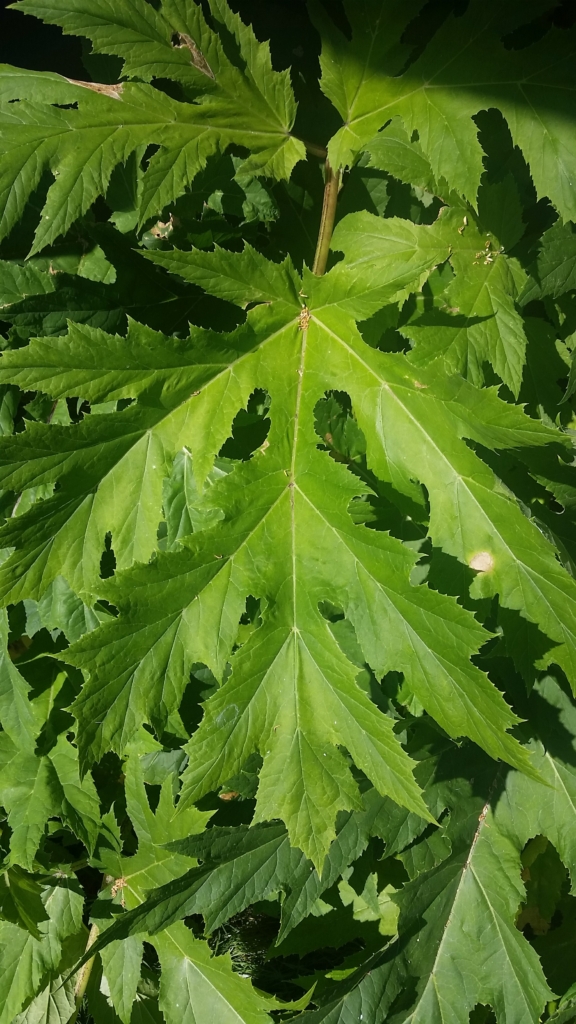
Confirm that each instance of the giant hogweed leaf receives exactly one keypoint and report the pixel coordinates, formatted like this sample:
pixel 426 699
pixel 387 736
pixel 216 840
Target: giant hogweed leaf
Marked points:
pixel 554 272
pixel 458 942
pixel 21 899
pixel 353 71
pixel 34 789
pixel 175 41
pixel 464 68
pixel 121 965
pixel 293 661
pixel 17 716
pixel 407 439
pixel 384 260
pixel 25 962
pixel 110 471
pixel 194 983
pixel 82 146
pixel 487 326
pixel 239 278
pixel 111 467
pixel 286 520
pixel 54 1004
pixel 100 367
pixel 241 864
pixel 142 36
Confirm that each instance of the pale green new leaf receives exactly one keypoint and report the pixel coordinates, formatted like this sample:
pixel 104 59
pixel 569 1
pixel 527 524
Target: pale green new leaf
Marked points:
pixel 394 151
pixel 182 496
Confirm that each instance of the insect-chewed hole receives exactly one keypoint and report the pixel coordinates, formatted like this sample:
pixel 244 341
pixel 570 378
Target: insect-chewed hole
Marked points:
pixel 337 428
pixel 251 615
pixel 330 612
pixel 249 429
pixel 548 904
pixel 482 1014
pixel 108 559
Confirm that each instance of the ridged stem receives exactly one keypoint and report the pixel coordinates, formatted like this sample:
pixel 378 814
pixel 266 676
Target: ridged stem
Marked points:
pixel 84 975
pixel 331 187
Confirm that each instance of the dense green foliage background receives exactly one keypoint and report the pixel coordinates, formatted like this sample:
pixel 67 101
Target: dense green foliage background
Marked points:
pixel 288 623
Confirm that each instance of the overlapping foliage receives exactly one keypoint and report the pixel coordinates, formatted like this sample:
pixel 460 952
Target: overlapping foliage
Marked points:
pixel 288 546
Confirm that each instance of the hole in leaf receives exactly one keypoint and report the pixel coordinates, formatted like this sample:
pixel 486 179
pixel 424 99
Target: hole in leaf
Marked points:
pixel 249 429
pixel 546 881
pixel 335 425
pixel 385 508
pixel 108 560
pixel 482 1015
pixel 201 686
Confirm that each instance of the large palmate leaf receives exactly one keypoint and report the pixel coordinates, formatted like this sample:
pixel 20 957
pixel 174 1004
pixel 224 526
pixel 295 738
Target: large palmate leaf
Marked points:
pixel 466 67
pixel 83 145
pixel 118 488
pixel 286 519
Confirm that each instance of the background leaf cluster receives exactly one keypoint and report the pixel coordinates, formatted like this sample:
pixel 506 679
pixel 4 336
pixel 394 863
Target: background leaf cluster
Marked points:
pixel 288 626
